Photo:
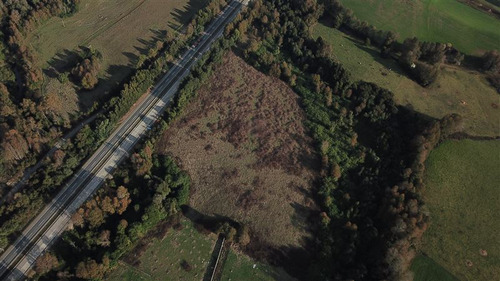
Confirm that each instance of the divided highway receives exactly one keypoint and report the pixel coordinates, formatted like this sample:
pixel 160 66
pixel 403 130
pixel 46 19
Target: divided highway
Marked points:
pixel 53 219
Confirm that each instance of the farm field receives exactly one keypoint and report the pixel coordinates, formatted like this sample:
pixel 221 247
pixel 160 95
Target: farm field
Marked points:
pixel 243 143
pixel 163 257
pixel 447 21
pixel 121 30
pixel 462 195
pixel 456 90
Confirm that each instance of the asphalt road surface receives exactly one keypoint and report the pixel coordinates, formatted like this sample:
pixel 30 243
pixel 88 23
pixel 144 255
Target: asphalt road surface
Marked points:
pixel 53 219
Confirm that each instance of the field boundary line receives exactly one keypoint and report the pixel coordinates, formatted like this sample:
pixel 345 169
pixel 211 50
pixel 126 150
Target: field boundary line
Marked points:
pixel 108 26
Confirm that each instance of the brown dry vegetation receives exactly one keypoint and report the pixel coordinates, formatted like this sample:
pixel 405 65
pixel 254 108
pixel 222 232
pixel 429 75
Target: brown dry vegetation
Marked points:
pixel 243 142
pixel 60 100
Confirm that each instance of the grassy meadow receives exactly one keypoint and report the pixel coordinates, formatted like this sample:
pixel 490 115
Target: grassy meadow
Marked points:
pixel 456 90
pixel 121 30
pixel 462 195
pixel 447 21
pixel 163 257
pixel 426 269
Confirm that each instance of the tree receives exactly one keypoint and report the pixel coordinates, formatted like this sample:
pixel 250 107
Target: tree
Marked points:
pixel 86 72
pixel 336 173
pixel 390 38
pixel 58 157
pixel 228 231
pixel 324 49
pixel 328 96
pixel 14 146
pixel 316 79
pixel 7 107
pixel 424 73
pixel 432 52
pixel 491 61
pixel 122 199
pixel 122 192
pixel 77 218
pixel 46 263
pixel 103 239
pixel 186 265
pixel 107 205
pixel 275 70
pixel 243 236
pixel 143 161
pixel 95 216
pixel 410 51
pixel 90 269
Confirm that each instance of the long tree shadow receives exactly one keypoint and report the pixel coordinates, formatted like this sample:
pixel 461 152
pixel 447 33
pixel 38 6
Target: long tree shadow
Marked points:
pixel 145 45
pixel 184 15
pixel 206 221
pixel 109 85
pixel 62 62
pixel 389 63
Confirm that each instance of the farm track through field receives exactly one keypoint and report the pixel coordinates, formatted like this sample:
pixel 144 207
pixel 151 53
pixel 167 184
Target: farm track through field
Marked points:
pixel 108 26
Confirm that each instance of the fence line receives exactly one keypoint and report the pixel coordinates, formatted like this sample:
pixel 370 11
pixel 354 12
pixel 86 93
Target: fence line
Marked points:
pixel 218 258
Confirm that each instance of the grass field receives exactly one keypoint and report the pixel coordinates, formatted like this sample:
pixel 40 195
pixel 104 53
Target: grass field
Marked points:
pixel 121 30
pixel 239 267
pixel 455 91
pixel 426 269
pixel 162 258
pixel 447 21
pixel 244 145
pixel 462 195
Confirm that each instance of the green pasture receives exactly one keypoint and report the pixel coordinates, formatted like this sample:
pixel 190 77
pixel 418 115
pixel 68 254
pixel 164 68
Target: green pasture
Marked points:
pixel 162 259
pixel 456 90
pixel 446 21
pixel 462 196
pixel 426 269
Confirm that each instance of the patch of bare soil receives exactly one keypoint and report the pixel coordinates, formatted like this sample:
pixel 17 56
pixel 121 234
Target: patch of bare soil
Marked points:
pixel 243 142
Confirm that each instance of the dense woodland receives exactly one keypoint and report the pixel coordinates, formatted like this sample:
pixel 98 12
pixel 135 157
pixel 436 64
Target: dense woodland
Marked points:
pixel 372 153
pixel 26 129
